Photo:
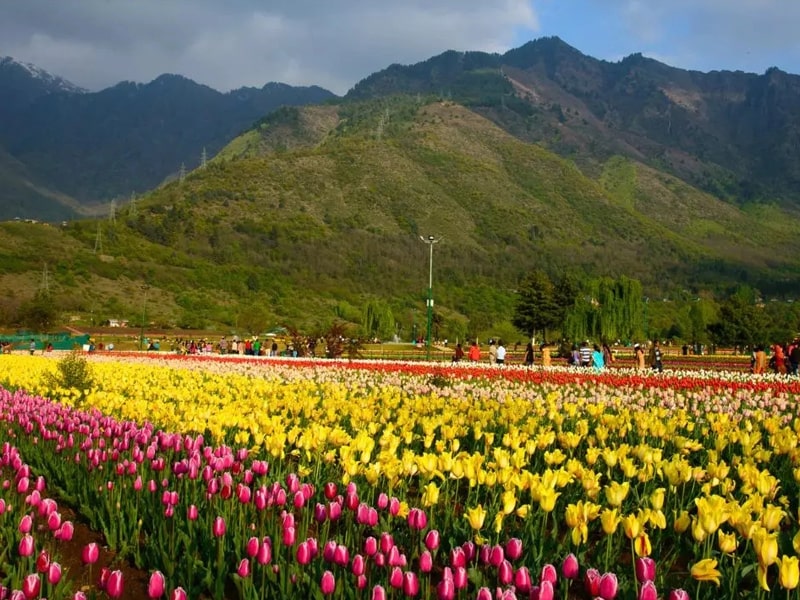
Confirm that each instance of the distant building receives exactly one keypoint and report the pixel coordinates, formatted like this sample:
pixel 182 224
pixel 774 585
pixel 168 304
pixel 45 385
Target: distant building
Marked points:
pixel 117 323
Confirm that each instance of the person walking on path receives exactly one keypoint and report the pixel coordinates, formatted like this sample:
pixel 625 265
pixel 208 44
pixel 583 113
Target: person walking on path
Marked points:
pixel 492 352
pixel 529 355
pixel 655 357
pixel 474 352
pixel 500 353
pixel 638 353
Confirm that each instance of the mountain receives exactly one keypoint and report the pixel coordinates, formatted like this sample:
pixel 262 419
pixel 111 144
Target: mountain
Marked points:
pixel 733 134
pixel 94 147
pixel 317 211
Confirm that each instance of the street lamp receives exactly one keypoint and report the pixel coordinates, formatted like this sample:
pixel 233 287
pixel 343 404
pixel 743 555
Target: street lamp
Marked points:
pixel 430 240
pixel 144 316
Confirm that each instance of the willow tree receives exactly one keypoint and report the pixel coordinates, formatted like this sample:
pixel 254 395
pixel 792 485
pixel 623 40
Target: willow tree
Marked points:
pixel 607 309
pixel 377 320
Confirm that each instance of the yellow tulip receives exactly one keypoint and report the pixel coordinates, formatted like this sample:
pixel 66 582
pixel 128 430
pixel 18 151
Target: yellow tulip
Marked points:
pixel 796 542
pixel 766 546
pixel 509 500
pixel 706 570
pixel 727 542
pixel 547 500
pixel 682 522
pixel 761 575
pixel 476 516
pixel 771 517
pixel 498 522
pixel 789 572
pixel 522 511
pixel 631 526
pixel 431 494
pixel 657 499
pixel 616 493
pixel 609 519
pixel 642 545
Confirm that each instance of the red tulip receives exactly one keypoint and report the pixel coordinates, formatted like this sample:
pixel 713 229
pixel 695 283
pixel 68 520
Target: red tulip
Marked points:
pixel 410 584
pixel 514 548
pixel 570 568
pixel 608 586
pixel 328 583
pixel 645 569
pixel 218 528
pixel 42 561
pixel 648 591
pixel 243 569
pixel 31 586
pixel 591 581
pixel 155 587
pixel 330 491
pixel 679 594
pixel 432 539
pixel 26 545
pixel 114 585
pixel 54 573
pixel 102 581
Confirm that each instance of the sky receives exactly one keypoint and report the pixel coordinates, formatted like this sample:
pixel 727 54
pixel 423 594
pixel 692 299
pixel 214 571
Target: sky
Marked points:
pixel 228 44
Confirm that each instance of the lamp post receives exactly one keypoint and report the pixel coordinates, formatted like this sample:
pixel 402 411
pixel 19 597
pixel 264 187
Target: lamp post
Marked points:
pixel 430 240
pixel 144 316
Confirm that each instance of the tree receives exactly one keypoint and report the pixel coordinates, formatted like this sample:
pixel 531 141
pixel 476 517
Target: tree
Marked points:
pixel 377 320
pixel 606 309
pixel 741 322
pixel 40 313
pixel 537 306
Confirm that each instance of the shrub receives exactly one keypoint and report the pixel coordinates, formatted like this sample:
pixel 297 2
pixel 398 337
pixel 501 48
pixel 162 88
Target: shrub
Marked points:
pixel 72 372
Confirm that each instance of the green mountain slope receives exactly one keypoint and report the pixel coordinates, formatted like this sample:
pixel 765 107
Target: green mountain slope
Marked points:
pixel 318 210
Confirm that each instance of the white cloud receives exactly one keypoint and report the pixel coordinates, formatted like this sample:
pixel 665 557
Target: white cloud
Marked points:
pixel 96 43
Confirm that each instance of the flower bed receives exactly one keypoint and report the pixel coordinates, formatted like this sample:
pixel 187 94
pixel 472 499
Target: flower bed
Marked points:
pixel 266 478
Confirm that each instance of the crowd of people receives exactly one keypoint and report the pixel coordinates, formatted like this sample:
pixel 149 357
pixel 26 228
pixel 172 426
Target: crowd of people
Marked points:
pixel 783 359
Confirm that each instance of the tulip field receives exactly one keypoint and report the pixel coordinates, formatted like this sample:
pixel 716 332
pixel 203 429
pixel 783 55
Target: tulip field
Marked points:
pixel 257 478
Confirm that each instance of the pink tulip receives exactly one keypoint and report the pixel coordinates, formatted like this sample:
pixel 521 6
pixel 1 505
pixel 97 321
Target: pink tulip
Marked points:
pixel 378 593
pixel 546 590
pixel 303 553
pixel 522 580
pixel 251 549
pixel 460 578
pixel 386 542
pixel 370 546
pixel 359 565
pixel 457 557
pixel 425 562
pixel 432 539
pixel 102 581
pixel 25 524
pixel 65 532
pixel 334 511
pixel 79 596
pixel 243 568
pixel 341 556
pixel 26 545
pixel 591 581
pixel 679 594
pixel 396 578
pixel 608 586
pixel 178 594
pixel 264 556
pixel 299 499
pixel 320 513
pixel 645 569
pixel 496 555
pixel 218 528
pixel 648 591
pixel 289 536
pixel 549 574
pixel 505 572
pixel 484 554
pixel 155 587
pixel 23 484
pixel 114 585
pixel 53 573
pixel 410 584
pixel 192 513
pixel 570 568
pixel 383 501
pixel 514 548
pixel 417 519
pixel 469 550
pixel 31 586
pixel 445 590
pixel 54 521
pixel 328 550
pixel 328 583
pixel 394 506
pixel 484 594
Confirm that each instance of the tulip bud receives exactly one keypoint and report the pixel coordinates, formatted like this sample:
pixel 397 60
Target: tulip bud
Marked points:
pixel 445 590
pixel 546 590
pixel 341 555
pixel 359 566
pixel 25 524
pixel 178 594
pixel 496 555
pixel 484 594
pixel 396 578
pixel 192 513
pixel 457 557
pixel 410 584
pixel 425 562
pixel 383 501
pixel 65 532
pixel 155 587
pixel 42 561
pixel 505 572
pixel 591 582
pixel 303 553
pixel 370 546
pixel 679 594
pixel 460 578
pixel 252 547
pixel 330 490
pixel 264 556
pixel 289 536
pixel 549 574
pixel 387 542
pixel 522 580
